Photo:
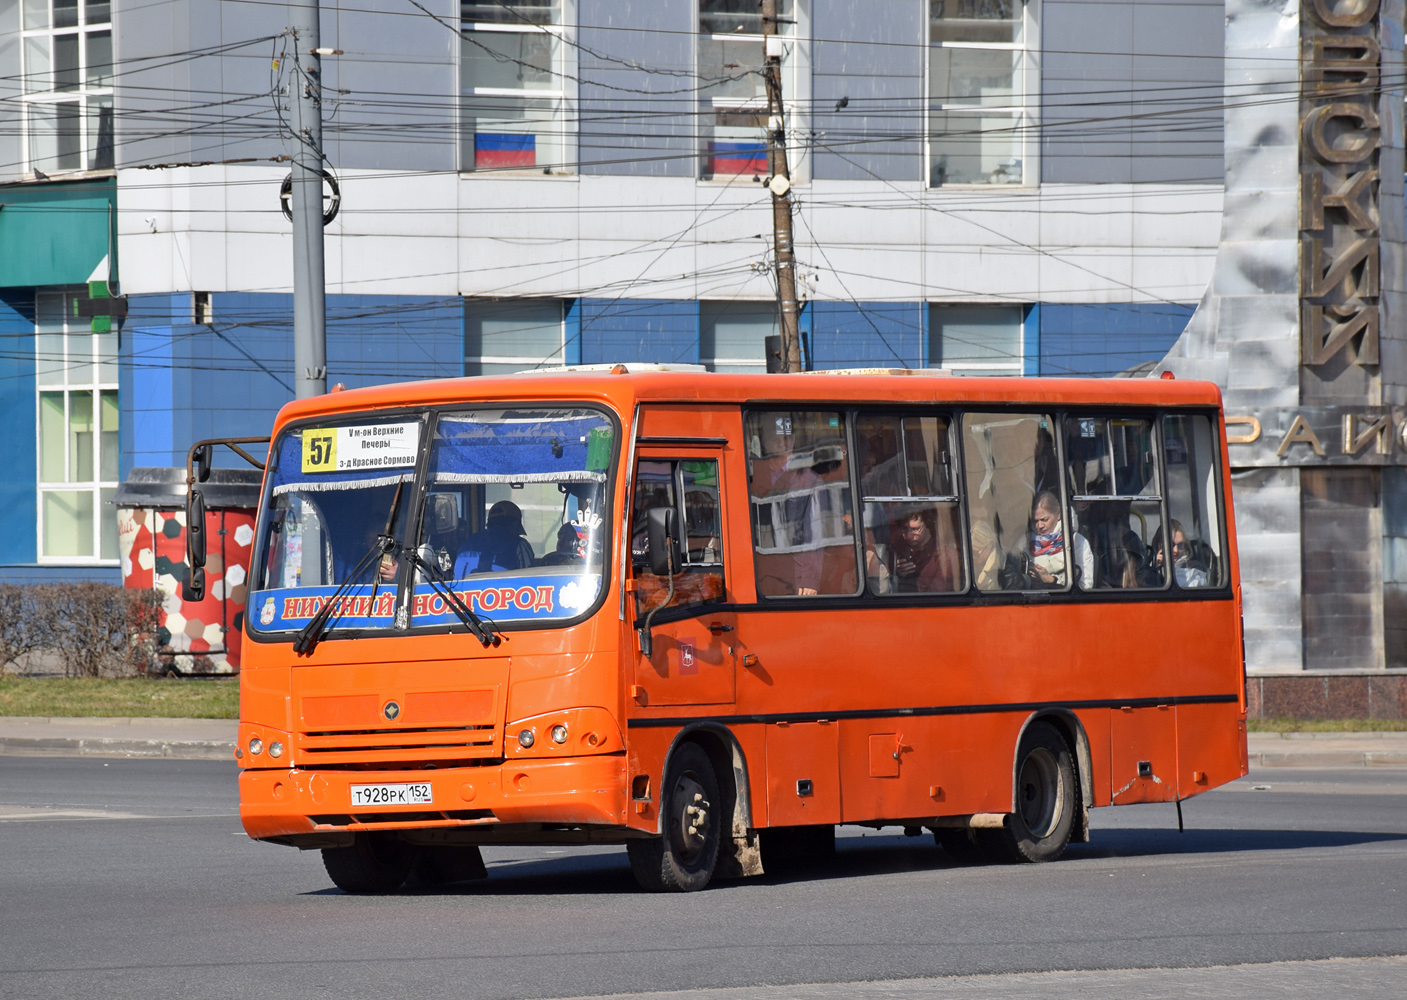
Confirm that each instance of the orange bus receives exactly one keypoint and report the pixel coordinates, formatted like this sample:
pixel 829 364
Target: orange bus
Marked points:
pixel 704 614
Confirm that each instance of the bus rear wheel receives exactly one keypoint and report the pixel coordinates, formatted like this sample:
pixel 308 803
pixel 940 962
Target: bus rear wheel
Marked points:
pixel 376 862
pixel 684 858
pixel 1039 829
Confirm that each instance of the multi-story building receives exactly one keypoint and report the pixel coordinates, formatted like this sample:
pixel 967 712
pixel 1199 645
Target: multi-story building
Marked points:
pixel 982 185
pixel 1048 187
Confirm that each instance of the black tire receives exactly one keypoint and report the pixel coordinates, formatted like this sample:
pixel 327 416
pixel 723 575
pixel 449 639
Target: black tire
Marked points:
pixel 443 865
pixel 684 858
pixel 376 862
pixel 1046 794
pixel 962 845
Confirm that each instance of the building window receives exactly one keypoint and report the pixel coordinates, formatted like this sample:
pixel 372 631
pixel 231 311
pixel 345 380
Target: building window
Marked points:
pixel 66 67
pixel 78 446
pixel 979 76
pixel 733 96
pixel 510 336
pixel 976 340
pixel 733 335
pixel 516 99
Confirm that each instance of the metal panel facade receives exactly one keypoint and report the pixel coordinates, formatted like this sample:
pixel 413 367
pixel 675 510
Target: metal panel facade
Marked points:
pixel 1131 91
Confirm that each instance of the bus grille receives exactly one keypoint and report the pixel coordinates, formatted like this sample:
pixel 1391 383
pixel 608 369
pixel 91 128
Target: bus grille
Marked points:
pixel 438 743
pixel 428 727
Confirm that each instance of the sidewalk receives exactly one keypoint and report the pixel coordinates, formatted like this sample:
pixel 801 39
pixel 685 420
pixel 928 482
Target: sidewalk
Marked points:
pixel 214 739
pixel 189 739
pixel 1327 749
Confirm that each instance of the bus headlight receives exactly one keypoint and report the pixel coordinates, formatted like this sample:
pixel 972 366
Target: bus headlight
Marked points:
pixel 525 738
pixel 275 749
pixel 559 734
pixel 256 745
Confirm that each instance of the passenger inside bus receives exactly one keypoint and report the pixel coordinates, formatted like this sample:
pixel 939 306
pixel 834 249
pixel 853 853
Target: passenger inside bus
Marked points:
pixel 500 546
pixel 568 551
pixel 923 563
pixel 1048 557
pixel 1191 561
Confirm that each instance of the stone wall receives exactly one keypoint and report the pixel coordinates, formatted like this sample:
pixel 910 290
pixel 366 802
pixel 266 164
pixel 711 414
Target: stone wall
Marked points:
pixel 1381 694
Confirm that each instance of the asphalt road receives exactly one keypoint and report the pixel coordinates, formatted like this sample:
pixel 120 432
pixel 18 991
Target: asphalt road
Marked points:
pixel 132 879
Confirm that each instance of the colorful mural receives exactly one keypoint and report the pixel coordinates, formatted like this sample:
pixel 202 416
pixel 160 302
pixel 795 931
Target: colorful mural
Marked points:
pixel 195 637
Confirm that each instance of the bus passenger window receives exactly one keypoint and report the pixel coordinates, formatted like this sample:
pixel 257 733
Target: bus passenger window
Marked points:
pixel 803 532
pixel 910 506
pixel 1195 535
pixel 661 484
pixel 1115 499
pixel 1012 486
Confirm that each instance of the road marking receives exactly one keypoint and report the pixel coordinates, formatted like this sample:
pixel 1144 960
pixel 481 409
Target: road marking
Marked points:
pixel 40 814
pixel 1310 980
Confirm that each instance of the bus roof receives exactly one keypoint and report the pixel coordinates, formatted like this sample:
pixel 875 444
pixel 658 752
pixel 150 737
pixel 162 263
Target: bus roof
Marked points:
pixel 621 387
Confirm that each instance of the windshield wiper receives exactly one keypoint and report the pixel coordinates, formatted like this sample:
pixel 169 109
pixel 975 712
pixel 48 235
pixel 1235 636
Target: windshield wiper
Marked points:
pixel 310 633
pixel 481 629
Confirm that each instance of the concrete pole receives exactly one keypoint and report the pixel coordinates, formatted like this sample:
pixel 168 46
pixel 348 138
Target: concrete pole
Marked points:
pixel 780 186
pixel 305 148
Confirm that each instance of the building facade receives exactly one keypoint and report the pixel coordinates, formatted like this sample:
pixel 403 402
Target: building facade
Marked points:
pixel 981 185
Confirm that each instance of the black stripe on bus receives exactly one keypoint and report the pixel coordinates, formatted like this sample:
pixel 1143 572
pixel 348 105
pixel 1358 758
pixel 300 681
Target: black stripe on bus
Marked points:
pixel 681 442
pixel 930 710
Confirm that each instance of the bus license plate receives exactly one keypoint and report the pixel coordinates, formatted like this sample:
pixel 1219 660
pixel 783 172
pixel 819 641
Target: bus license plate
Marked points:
pixel 414 794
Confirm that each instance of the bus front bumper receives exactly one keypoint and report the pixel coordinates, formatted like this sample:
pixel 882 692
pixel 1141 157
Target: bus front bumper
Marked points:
pixel 576 791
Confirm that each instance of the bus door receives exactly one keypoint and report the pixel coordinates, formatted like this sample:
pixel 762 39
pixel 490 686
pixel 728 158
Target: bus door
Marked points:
pixel 692 655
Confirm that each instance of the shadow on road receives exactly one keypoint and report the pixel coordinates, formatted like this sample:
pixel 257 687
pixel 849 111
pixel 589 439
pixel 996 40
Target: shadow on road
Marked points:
pixel 608 873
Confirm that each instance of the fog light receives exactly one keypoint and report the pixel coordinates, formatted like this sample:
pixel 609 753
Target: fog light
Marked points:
pixel 525 738
pixel 256 745
pixel 275 749
pixel 559 734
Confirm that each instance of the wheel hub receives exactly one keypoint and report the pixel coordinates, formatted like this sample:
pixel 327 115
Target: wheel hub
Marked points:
pixel 1040 792
pixel 692 822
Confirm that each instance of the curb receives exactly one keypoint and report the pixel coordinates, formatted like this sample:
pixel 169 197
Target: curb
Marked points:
pixel 1331 758
pixel 19 746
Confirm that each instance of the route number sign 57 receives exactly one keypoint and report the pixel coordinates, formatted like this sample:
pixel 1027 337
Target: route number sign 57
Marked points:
pixel 320 450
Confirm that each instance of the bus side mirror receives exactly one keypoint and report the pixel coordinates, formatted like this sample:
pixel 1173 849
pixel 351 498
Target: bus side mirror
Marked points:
pixel 663 533
pixel 202 463
pixel 195 529
pixel 194 588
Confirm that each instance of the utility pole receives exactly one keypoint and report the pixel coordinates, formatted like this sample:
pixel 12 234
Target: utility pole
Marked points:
pixel 780 186
pixel 305 150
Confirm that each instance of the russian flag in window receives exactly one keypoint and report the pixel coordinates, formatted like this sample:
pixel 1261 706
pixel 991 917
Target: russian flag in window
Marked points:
pixel 502 149
pixel 737 157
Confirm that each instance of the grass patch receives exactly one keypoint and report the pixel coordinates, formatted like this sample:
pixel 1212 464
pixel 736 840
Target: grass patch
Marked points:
pixel 1326 725
pixel 80 697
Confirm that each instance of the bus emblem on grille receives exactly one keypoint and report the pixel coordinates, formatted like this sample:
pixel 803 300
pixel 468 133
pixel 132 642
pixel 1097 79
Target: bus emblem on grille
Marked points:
pixel 391 710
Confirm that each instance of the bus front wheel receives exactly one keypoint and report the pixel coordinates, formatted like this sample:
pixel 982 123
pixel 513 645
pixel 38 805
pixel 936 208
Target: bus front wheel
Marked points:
pixel 1039 829
pixel 683 859
pixel 376 862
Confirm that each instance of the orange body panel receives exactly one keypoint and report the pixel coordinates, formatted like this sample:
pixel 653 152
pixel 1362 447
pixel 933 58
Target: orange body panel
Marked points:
pixel 896 712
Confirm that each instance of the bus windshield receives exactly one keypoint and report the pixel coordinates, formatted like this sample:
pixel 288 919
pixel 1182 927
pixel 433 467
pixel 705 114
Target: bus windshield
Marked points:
pixel 508 514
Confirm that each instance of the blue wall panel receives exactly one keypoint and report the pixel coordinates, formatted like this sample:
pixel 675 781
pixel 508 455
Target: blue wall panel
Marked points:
pixel 1106 339
pixel 189 382
pixel 885 334
pixel 18 494
pixel 657 330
